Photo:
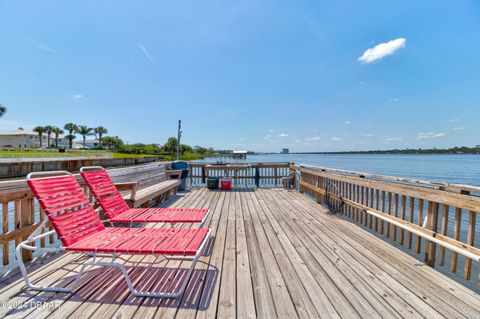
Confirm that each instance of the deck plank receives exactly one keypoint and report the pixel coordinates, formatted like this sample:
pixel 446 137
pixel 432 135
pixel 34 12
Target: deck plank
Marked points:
pixel 314 292
pixel 342 287
pixel 284 304
pixel 245 296
pixel 275 254
pixel 356 249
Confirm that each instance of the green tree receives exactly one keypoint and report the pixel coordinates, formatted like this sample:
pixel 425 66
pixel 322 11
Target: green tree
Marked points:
pixel 84 130
pixel 57 131
pixel 100 130
pixel 71 128
pixel 49 131
pixel 112 142
pixel 3 110
pixel 184 148
pixel 171 146
pixel 40 130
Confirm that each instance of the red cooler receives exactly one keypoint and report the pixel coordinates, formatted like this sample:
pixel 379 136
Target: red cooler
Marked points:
pixel 226 184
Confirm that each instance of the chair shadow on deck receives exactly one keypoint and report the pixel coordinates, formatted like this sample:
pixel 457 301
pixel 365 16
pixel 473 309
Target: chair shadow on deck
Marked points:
pixel 106 285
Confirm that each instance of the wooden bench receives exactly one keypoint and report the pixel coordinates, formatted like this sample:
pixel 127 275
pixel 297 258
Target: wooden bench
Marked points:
pixel 145 185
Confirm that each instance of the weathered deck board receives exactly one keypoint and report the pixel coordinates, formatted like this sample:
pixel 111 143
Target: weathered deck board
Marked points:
pixel 275 254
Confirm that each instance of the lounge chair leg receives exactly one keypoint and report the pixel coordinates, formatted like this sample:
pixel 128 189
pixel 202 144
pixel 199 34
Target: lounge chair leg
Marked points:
pixel 159 294
pixel 23 270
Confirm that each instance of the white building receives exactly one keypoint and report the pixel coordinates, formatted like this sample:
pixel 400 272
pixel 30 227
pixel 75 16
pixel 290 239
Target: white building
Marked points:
pixel 89 143
pixel 22 138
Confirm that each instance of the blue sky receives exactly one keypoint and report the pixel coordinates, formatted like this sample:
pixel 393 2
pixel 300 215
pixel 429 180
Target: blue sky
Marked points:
pixel 256 75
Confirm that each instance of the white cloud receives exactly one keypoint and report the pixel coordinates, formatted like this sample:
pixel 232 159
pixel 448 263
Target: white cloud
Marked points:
pixel 271 130
pixel 382 50
pixel 347 122
pixel 313 138
pixel 39 45
pixel 298 141
pixel 458 128
pixel 241 139
pixel 336 139
pixel 453 120
pixel 77 97
pixel 369 135
pixel 428 135
pixel 394 99
pixel 267 137
pixel 394 139
pixel 147 54
pixel 283 135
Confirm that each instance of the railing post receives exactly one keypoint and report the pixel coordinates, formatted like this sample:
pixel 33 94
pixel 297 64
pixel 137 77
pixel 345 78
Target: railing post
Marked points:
pixel 432 221
pixel 275 174
pixel 190 174
pixel 5 230
pixel 300 188
pixel 26 219
pixel 467 271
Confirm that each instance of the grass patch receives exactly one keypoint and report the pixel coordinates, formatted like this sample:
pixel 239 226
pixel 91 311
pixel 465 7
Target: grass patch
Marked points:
pixel 35 154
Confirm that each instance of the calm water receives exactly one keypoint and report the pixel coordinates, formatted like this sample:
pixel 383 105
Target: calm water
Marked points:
pixel 460 169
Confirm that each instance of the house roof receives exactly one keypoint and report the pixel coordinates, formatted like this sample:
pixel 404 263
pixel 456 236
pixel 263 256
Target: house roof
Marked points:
pixel 19 131
pixel 22 131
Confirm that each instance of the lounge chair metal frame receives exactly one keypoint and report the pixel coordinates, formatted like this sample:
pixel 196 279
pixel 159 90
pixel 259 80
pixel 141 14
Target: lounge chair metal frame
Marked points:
pixel 94 256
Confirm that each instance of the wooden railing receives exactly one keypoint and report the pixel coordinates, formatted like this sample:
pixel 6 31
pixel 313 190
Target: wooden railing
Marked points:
pixel 243 175
pixel 21 215
pixel 418 215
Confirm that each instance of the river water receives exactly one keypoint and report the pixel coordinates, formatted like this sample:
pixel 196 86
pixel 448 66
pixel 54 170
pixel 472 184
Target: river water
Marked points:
pixel 459 169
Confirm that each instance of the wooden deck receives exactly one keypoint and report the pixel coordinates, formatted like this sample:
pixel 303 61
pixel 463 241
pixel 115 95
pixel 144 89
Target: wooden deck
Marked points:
pixel 275 254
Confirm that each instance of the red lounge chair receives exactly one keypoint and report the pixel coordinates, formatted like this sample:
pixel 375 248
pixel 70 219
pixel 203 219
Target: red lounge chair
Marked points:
pixel 80 230
pixel 117 210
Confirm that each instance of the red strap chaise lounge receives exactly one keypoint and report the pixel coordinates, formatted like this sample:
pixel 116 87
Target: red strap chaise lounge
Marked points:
pixel 80 230
pixel 117 210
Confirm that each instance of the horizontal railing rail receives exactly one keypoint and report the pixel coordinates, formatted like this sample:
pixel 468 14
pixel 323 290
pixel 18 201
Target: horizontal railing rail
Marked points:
pixel 436 219
pixel 243 175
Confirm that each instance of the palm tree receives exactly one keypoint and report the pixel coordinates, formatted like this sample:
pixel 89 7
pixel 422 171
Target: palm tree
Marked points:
pixel 71 128
pixel 3 110
pixel 48 130
pixel 57 131
pixel 84 130
pixel 100 131
pixel 40 130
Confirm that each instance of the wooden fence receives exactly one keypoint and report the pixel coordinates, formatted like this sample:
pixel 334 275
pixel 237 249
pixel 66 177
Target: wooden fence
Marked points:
pixel 409 212
pixel 243 175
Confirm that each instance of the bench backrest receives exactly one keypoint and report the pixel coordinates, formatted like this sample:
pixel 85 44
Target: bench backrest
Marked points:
pixel 67 207
pixel 144 175
pixel 105 192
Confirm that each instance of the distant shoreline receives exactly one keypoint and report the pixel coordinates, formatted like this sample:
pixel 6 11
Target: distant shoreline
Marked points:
pixel 432 151
pixel 366 153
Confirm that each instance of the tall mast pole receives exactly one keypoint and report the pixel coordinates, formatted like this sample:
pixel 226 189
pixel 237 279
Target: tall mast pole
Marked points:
pixel 178 138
